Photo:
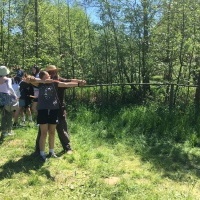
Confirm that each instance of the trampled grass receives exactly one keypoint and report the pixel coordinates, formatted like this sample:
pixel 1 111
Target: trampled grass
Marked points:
pixel 117 155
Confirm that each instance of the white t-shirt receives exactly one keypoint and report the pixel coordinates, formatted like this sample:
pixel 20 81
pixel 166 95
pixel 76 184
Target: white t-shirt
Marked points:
pixel 7 87
pixel 15 87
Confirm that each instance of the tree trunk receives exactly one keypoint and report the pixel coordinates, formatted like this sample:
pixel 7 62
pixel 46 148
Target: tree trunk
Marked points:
pixel 36 31
pixel 145 48
pixel 2 32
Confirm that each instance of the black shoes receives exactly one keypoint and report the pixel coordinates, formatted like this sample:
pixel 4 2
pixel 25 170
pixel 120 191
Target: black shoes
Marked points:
pixel 15 125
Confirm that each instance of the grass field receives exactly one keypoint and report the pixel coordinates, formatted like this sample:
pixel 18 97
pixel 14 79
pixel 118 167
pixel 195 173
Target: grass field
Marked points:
pixel 110 161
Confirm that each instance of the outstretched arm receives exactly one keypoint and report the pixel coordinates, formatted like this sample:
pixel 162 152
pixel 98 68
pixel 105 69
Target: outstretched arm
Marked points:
pixel 80 81
pixel 70 84
pixel 35 81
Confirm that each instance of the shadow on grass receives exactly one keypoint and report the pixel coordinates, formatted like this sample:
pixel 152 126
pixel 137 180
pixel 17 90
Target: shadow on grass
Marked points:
pixel 149 124
pixel 166 152
pixel 24 165
pixel 172 160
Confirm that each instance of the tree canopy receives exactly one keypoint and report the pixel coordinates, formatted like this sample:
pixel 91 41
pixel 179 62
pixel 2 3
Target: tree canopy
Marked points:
pixel 133 41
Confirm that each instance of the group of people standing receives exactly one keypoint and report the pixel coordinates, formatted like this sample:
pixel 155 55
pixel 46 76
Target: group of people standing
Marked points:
pixel 48 105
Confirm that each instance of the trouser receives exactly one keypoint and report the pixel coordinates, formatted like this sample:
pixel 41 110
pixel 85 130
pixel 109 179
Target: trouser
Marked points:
pixel 6 121
pixel 62 133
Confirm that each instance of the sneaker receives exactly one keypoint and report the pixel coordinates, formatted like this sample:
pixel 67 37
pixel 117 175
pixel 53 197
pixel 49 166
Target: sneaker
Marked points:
pixel 5 134
pixel 52 155
pixel 69 152
pixel 43 157
pixel 10 133
pixel 17 125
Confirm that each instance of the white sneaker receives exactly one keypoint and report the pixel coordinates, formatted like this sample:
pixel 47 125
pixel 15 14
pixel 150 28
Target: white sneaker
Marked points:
pixel 5 134
pixel 10 133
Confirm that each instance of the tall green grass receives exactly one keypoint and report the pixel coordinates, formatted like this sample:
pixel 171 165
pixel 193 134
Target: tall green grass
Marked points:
pixel 152 123
pixel 139 152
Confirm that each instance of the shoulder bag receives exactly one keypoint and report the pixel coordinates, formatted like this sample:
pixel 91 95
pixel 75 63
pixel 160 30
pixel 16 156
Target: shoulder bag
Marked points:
pixel 8 101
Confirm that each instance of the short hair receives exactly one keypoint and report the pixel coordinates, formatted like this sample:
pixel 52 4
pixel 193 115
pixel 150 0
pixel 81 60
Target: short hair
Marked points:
pixel 42 73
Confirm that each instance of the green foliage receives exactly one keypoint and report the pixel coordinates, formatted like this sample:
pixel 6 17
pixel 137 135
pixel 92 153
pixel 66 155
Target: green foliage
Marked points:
pixel 137 152
pixel 150 122
pixel 151 40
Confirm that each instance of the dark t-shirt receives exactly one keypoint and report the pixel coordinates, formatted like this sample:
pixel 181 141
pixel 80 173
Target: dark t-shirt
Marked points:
pixel 61 91
pixel 47 98
pixel 26 90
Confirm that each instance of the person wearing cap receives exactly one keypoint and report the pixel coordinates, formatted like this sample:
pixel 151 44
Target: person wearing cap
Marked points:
pixel 61 127
pixel 6 87
pixel 19 72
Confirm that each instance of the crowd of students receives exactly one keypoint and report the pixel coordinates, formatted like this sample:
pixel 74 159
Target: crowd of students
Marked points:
pixel 41 99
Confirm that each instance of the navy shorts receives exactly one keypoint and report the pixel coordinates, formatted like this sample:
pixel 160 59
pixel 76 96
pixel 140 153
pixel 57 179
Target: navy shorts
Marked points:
pixel 22 103
pixel 47 116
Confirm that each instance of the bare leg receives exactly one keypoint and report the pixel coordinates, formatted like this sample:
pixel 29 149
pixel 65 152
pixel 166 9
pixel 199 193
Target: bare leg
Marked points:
pixel 51 128
pixel 34 107
pixel 44 129
pixel 17 113
pixel 28 111
pixel 34 110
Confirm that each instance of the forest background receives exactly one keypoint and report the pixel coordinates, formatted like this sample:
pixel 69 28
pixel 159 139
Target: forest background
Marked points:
pixel 136 122
pixel 135 52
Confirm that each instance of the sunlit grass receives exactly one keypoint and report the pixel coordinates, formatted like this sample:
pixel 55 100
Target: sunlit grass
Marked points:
pixel 124 154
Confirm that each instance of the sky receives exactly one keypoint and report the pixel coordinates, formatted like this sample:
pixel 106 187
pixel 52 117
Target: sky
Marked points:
pixel 93 15
pixel 89 8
